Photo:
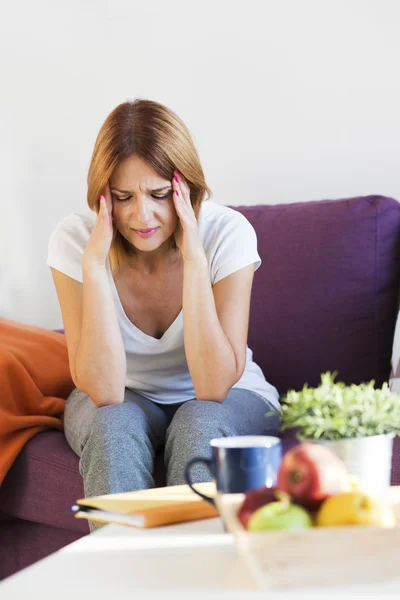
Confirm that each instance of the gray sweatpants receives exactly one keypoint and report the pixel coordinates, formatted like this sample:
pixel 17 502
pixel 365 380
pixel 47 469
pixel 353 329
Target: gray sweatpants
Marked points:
pixel 117 443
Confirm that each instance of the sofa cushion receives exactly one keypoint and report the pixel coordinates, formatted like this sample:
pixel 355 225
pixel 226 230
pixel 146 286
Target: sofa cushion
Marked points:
pixel 44 482
pixel 325 296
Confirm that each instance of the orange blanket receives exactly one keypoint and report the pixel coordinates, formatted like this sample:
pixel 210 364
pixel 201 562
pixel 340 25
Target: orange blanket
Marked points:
pixel 34 382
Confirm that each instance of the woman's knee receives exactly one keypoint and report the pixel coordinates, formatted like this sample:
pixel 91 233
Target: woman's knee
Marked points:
pixel 241 413
pixel 109 418
pixel 130 425
pixel 199 418
pixel 79 413
pixel 83 420
pixel 113 422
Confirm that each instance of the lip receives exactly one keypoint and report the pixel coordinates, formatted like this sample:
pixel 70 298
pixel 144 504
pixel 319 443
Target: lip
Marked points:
pixel 145 233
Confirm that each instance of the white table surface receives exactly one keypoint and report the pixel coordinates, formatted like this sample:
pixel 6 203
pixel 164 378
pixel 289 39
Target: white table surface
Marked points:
pixel 188 560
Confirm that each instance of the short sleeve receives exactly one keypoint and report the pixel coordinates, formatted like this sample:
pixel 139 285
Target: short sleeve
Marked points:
pixel 235 248
pixel 67 244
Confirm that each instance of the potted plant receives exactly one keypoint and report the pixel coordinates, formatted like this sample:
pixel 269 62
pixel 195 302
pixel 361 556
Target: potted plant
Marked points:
pixel 357 422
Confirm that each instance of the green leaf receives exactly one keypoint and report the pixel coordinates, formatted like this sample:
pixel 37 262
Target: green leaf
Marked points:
pixel 334 411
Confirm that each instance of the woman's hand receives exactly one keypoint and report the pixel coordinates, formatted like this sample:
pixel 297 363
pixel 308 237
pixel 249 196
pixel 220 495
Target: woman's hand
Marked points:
pixel 187 235
pixel 100 239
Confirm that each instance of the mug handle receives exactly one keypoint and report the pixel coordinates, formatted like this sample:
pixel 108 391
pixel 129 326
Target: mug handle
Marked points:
pixel 205 461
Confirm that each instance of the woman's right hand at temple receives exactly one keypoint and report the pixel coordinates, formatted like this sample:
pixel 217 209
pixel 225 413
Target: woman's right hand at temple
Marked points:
pixel 100 239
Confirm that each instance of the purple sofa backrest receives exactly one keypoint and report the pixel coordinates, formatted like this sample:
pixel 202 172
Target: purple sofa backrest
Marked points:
pixel 326 294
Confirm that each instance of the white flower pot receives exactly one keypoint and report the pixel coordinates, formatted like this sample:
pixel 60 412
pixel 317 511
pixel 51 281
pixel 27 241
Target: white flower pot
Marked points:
pixel 368 458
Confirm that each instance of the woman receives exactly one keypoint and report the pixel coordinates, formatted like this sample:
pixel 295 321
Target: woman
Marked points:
pixel 155 295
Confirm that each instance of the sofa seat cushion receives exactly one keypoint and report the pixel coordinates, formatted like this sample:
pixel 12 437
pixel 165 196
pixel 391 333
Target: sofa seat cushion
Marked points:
pixel 44 482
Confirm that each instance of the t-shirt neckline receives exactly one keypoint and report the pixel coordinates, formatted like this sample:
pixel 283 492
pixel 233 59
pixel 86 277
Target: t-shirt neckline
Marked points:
pixel 147 338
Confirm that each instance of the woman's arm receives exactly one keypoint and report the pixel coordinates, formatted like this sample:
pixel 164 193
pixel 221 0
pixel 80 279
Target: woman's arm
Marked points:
pixel 215 320
pixel 215 327
pixel 100 359
pixel 95 346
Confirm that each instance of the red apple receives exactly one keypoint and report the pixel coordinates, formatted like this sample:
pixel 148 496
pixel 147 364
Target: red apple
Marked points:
pixel 253 500
pixel 310 473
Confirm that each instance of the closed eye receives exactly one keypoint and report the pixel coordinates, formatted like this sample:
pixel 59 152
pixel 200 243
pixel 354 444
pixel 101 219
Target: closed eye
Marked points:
pixel 152 195
pixel 160 197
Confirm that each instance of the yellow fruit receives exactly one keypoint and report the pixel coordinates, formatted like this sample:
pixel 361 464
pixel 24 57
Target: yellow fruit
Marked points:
pixel 354 508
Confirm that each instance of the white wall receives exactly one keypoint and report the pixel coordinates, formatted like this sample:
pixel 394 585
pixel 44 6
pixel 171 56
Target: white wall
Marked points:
pixel 287 101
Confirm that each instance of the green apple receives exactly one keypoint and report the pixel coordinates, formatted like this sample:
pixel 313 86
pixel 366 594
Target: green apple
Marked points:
pixel 279 515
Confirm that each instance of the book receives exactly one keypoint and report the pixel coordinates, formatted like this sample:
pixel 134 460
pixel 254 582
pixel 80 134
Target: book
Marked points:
pixel 149 508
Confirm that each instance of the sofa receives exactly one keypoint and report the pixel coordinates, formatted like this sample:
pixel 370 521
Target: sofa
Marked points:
pixel 325 298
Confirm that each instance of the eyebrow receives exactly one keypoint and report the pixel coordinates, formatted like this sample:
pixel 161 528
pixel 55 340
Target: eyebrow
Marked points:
pixel 161 189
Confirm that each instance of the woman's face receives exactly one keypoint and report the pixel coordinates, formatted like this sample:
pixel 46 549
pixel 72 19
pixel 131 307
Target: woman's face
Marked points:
pixel 143 200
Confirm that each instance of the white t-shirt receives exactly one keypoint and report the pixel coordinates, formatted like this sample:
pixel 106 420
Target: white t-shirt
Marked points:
pixel 394 378
pixel 157 368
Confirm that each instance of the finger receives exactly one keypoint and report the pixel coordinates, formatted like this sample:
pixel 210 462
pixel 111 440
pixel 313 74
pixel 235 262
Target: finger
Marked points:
pixel 108 197
pixel 182 180
pixel 102 206
pixel 104 219
pixel 178 200
pixel 182 186
pixel 177 189
pixel 183 208
pixel 183 205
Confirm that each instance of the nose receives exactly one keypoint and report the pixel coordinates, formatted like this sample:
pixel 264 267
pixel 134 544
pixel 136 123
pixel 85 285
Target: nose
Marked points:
pixel 142 211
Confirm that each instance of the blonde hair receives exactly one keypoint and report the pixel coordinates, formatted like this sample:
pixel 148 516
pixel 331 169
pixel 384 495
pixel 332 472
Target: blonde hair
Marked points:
pixel 154 133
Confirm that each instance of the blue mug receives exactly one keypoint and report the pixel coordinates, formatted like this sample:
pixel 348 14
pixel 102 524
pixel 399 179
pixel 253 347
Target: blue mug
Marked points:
pixel 240 463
